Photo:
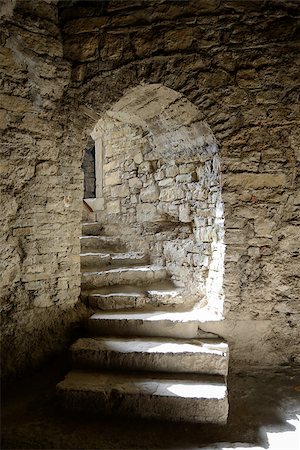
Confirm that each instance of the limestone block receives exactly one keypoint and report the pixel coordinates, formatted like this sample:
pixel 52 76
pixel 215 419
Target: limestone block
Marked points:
pixel 172 171
pixel 263 227
pixel 112 178
pixel 159 175
pixel 237 97
pixel 138 158
pixel 135 183
pixel 166 182
pixel 215 79
pixel 85 25
pixel 248 78
pixel 186 168
pixel 133 199
pixel 113 207
pixel 184 178
pixel 14 103
pixel 171 194
pixel 52 88
pixel 146 212
pixel 40 43
pixel 46 168
pixel 235 236
pixel 111 165
pixel 260 242
pixel 185 213
pixel 130 166
pixel 79 48
pixel 121 190
pixel 179 39
pixel 46 149
pixel 255 180
pixel 4 119
pixel 8 60
pixel 40 126
pixel 43 301
pixel 113 47
pixel 150 193
pixel 145 167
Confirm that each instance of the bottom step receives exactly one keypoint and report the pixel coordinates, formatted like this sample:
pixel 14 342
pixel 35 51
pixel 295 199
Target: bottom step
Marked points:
pixel 189 398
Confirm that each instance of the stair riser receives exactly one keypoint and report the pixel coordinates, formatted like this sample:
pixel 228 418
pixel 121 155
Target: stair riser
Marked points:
pixel 95 260
pixel 94 244
pixel 153 362
pixel 92 229
pixel 107 260
pixel 90 281
pixel 146 405
pixel 115 303
pixel 143 328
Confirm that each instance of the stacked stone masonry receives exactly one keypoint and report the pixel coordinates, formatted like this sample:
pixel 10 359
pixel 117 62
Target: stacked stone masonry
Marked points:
pixel 163 192
pixel 62 67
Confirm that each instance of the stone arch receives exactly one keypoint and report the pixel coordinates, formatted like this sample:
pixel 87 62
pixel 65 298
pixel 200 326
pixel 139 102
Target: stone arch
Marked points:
pixel 159 182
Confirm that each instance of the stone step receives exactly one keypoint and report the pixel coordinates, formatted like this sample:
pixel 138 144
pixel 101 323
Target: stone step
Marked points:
pixel 113 259
pixel 155 295
pixel 158 323
pixel 208 356
pixel 92 229
pixel 179 397
pixel 96 244
pixel 122 275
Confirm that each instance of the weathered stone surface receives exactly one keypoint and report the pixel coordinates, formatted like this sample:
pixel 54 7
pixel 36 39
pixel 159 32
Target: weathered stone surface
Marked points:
pixel 16 104
pixel 152 354
pixel 247 90
pixel 150 193
pixel 256 181
pixel 113 207
pixel 146 213
pixel 113 178
pixel 85 25
pixel 147 396
pixel 81 48
pixel 158 323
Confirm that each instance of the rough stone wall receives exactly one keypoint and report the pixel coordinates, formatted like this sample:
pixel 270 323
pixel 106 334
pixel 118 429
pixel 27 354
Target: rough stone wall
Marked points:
pixel 168 205
pixel 41 193
pixel 238 62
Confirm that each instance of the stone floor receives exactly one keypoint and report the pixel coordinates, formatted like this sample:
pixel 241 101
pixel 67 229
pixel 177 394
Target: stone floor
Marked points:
pixel 264 413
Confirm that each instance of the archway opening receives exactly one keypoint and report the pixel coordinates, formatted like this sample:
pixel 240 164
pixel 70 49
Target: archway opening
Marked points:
pixel 158 186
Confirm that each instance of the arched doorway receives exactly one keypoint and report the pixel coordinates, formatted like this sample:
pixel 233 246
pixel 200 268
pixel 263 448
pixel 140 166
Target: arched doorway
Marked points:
pixel 158 184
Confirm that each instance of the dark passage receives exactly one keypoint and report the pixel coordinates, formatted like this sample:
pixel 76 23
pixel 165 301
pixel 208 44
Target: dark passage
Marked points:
pixel 88 166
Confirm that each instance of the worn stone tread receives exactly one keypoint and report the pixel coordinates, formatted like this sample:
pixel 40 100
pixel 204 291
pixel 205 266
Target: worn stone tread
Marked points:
pixel 187 397
pixel 159 295
pixel 94 277
pixel 164 287
pixel 152 354
pixel 114 259
pixel 94 244
pixel 109 269
pixel 152 323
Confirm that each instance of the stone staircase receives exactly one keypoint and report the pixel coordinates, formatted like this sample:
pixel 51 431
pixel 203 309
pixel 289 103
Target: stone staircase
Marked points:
pixel 143 357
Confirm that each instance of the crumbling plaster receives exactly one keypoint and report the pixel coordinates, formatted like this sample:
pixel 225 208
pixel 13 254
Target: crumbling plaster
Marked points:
pixel 62 67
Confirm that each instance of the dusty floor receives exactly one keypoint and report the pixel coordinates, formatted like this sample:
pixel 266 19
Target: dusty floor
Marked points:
pixel 264 413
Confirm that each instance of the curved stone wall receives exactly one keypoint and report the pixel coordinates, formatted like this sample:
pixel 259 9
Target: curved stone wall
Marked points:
pixel 162 180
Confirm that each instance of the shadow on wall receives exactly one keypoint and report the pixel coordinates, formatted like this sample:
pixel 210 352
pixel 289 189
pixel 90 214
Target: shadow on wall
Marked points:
pixel 158 176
